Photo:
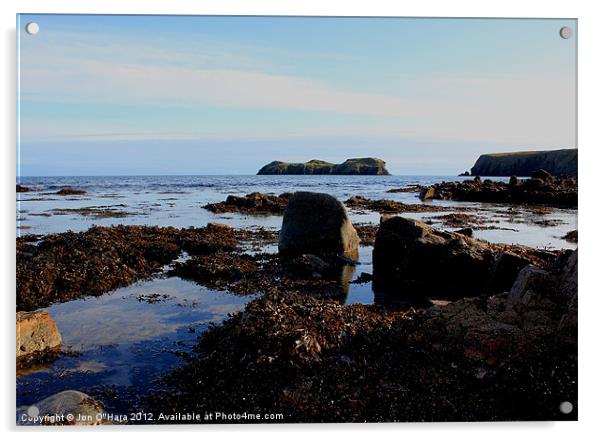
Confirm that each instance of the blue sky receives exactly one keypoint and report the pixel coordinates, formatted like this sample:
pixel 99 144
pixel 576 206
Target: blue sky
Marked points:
pixel 225 95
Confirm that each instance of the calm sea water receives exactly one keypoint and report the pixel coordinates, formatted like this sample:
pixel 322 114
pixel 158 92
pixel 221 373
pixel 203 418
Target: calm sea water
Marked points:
pixel 123 344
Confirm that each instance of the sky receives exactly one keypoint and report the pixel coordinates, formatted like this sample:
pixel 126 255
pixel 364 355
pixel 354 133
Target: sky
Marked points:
pixel 119 95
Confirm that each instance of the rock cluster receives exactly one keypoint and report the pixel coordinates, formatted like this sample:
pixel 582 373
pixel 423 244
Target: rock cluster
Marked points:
pixel 541 189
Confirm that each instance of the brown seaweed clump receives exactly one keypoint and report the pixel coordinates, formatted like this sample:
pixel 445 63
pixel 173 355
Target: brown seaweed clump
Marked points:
pixel 315 360
pixel 254 203
pixel 391 206
pixel 61 267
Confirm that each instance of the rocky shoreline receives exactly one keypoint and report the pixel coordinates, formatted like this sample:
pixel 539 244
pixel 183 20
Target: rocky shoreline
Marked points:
pixel 460 329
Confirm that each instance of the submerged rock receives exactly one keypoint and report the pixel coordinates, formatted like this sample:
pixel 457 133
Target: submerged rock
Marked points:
pixel 316 223
pixel 69 407
pixel 22 189
pixel 37 334
pixel 71 192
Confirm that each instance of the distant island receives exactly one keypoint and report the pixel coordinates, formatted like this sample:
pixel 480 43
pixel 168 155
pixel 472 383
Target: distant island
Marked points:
pixel 369 166
pixel 525 163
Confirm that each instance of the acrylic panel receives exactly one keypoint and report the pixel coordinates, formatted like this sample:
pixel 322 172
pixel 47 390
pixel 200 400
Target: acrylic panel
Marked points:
pixel 246 219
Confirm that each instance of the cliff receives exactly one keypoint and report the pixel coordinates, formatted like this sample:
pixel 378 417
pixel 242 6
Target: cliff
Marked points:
pixel 525 163
pixel 361 166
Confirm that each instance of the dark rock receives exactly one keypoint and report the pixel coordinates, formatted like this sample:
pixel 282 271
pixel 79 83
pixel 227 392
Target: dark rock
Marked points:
pixel 505 270
pixel 22 189
pixel 552 191
pixel 410 257
pixel 532 279
pixel 465 173
pixel 413 257
pixel 318 224
pixel 571 236
pixel 427 193
pixel 541 174
pixel 568 278
pixel 70 192
pixel 465 231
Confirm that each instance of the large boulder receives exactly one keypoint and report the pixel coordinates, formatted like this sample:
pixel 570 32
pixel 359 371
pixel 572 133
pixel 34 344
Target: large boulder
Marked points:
pixel 36 335
pixel 65 408
pixel 411 258
pixel 316 223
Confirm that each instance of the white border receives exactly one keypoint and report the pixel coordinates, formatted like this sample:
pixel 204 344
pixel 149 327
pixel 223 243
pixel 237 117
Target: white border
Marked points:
pixel 590 26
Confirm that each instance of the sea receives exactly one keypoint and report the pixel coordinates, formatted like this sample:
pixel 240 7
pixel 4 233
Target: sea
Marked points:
pixel 117 347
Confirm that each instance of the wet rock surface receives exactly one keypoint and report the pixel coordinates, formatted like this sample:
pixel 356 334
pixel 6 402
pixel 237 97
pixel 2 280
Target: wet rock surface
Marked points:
pixel 21 189
pixel 542 189
pixel 254 203
pixel 37 337
pixel 411 258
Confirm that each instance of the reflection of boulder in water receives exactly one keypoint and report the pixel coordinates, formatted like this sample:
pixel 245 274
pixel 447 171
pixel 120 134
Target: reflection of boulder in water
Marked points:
pixel 328 268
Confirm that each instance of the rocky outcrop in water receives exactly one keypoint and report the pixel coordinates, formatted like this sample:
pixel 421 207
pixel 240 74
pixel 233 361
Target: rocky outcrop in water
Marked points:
pixel 525 163
pixel 316 223
pixel 22 189
pixel 413 259
pixel 70 192
pixel 360 166
pixel 541 189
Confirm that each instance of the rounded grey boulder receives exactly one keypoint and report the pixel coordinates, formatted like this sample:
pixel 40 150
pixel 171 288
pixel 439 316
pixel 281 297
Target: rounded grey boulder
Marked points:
pixel 316 223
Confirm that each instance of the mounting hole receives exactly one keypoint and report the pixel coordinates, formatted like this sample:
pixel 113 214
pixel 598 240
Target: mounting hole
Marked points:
pixel 32 28
pixel 33 411
pixel 566 407
pixel 566 32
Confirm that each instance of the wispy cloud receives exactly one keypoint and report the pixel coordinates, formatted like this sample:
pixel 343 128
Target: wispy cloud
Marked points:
pixel 123 72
